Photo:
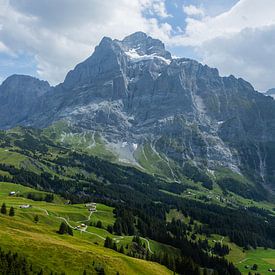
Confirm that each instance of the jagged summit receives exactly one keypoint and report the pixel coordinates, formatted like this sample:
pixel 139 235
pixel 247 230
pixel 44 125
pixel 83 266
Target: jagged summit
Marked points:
pixel 138 101
pixel 142 44
pixel 111 56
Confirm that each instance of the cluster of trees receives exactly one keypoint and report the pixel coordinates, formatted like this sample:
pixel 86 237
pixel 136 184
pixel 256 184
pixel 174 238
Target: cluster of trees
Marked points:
pixel 4 210
pixel 124 223
pixel 197 175
pixel 65 229
pixel 109 243
pixel 138 249
pixel 28 142
pixel 242 189
pixel 11 263
pixel 221 249
pixel 40 197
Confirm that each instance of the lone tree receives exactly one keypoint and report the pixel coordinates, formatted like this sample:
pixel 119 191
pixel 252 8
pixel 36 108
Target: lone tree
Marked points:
pixel 108 242
pixel 12 212
pixel 63 228
pixel 110 228
pixel 4 209
pixel 99 224
pixel 121 249
pixel 36 218
pixel 70 231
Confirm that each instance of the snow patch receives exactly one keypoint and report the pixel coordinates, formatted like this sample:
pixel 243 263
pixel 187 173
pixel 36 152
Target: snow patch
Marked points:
pixel 135 57
pixel 124 150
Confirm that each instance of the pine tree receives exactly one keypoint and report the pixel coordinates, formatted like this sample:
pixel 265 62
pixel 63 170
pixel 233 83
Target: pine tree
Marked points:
pixel 110 228
pixel 62 228
pixel 108 242
pixel 12 212
pixel 121 249
pixel 36 218
pixel 3 209
pixel 99 224
pixel 70 231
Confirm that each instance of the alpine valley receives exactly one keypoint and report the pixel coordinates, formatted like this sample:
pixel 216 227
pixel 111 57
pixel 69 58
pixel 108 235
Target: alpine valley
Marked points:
pixel 179 161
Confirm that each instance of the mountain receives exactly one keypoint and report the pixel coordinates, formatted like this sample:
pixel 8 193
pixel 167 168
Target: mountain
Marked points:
pixel 270 92
pixel 165 115
pixel 18 94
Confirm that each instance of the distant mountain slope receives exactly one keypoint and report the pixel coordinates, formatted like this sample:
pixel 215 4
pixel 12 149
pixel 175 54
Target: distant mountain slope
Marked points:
pixel 163 114
pixel 18 95
pixel 270 92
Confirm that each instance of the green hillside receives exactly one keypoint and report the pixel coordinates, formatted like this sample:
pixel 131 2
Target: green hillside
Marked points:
pixel 192 225
pixel 46 249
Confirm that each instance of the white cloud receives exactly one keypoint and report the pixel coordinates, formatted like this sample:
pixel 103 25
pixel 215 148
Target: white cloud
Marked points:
pixel 192 10
pixel 60 34
pixel 4 48
pixel 239 41
pixel 249 54
pixel 160 9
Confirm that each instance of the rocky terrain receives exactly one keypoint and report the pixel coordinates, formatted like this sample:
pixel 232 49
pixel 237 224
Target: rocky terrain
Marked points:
pixel 147 107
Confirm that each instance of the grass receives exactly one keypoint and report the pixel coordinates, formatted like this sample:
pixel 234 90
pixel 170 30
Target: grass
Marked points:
pixel 104 214
pixel 174 214
pixel 11 158
pixel 88 142
pixel 46 249
pixel 265 259
pixel 153 162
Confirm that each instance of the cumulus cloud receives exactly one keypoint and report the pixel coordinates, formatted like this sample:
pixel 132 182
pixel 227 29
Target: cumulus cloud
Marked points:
pixel 159 8
pixel 192 10
pixel 60 34
pixel 239 41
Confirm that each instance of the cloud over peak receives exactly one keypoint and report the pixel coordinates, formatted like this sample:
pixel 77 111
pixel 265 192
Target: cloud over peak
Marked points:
pixel 239 39
pixel 59 40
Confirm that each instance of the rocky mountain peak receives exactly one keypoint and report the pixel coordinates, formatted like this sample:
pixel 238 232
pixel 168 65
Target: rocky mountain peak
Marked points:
pixel 18 94
pixel 24 84
pixel 141 102
pixel 140 44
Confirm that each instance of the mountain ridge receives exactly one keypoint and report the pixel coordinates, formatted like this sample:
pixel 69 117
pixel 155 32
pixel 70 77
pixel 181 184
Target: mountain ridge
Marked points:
pixel 134 95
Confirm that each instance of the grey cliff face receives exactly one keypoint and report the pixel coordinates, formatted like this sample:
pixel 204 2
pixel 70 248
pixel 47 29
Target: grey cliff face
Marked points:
pixel 270 92
pixel 18 94
pixel 134 94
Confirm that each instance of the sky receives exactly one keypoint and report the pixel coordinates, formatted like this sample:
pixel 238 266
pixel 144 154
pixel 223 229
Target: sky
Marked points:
pixel 47 38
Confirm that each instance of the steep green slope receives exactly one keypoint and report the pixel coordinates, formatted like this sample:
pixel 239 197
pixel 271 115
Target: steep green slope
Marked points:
pixel 44 248
pixel 141 201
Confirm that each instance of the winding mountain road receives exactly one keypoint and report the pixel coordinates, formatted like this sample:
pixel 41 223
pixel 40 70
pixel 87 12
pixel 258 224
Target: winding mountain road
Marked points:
pixel 148 244
pixel 84 230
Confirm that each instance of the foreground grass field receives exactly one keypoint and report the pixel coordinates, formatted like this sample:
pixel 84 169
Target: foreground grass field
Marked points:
pixel 265 259
pixel 44 248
